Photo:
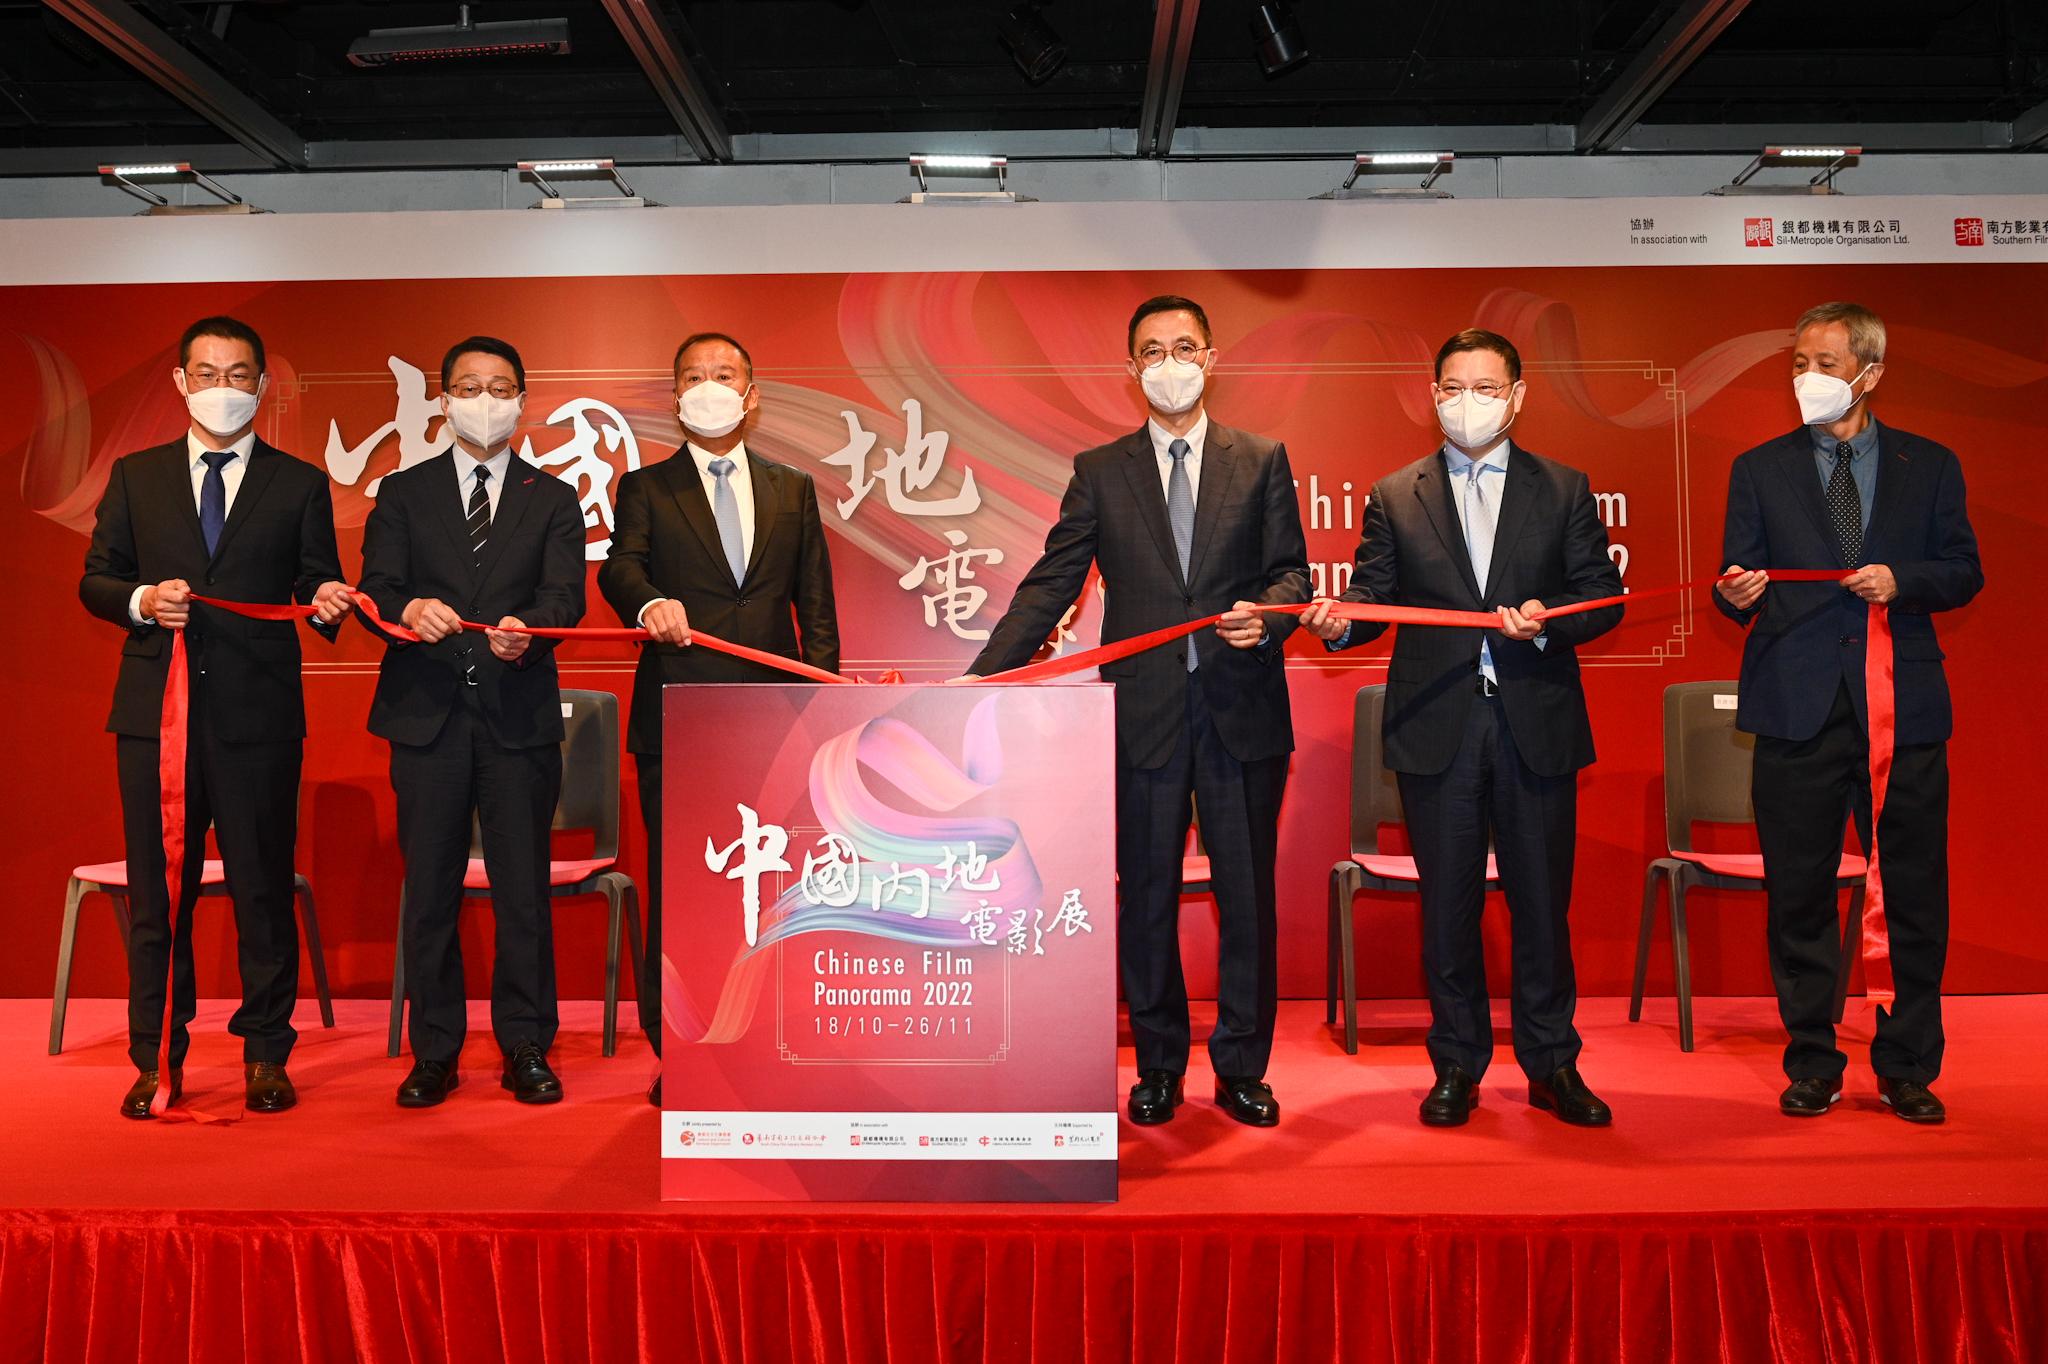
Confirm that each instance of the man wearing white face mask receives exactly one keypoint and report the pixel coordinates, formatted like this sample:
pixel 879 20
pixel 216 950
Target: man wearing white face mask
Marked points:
pixel 718 538
pixel 223 514
pixel 1487 730
pixel 474 718
pixel 1888 509
pixel 1185 518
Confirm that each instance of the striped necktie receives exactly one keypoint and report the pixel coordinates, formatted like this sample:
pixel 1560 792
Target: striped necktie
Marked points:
pixel 479 532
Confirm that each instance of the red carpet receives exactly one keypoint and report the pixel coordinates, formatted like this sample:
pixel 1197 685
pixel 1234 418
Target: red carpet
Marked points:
pixel 1703 1226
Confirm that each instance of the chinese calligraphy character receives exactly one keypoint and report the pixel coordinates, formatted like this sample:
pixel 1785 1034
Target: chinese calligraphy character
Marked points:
pixel 1020 934
pixel 883 889
pixel 761 847
pixel 910 470
pixel 1072 915
pixel 832 877
pixel 966 872
pixel 954 575
pixel 981 924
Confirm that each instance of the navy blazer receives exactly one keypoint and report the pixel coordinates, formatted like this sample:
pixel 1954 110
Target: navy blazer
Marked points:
pixel 1247 546
pixel 1807 639
pixel 1549 545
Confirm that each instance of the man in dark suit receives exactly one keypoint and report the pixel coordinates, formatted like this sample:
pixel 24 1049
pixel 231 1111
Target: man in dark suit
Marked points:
pixel 1486 730
pixel 475 725
pixel 1185 518
pixel 221 513
pixel 720 538
pixel 1887 508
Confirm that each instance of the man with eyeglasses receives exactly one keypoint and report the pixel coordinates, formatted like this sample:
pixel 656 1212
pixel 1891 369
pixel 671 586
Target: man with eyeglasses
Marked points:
pixel 474 718
pixel 720 538
pixel 1185 518
pixel 1887 508
pixel 1486 730
pixel 220 513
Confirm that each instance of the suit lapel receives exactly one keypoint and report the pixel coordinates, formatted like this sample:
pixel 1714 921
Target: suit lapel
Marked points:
pixel 1894 472
pixel 256 477
pixel 1141 467
pixel 686 486
pixel 177 474
pixel 1796 467
pixel 513 501
pixel 1520 487
pixel 1219 467
pixel 1433 491
pixel 767 488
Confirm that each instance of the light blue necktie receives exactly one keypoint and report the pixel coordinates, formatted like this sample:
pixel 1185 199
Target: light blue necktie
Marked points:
pixel 726 508
pixel 1479 526
pixel 1180 515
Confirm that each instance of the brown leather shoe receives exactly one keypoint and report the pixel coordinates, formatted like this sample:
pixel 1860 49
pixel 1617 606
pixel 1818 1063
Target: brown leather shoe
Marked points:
pixel 1911 1100
pixel 270 1089
pixel 136 1102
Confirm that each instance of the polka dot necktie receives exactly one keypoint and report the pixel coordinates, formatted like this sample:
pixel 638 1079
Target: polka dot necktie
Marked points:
pixel 1845 507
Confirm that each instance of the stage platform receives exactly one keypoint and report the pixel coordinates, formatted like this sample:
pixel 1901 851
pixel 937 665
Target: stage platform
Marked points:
pixel 1702 1226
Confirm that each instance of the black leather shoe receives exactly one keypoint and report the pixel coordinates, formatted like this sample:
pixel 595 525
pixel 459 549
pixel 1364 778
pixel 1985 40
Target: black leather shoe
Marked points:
pixel 654 1092
pixel 270 1089
pixel 135 1104
pixel 427 1084
pixel 1452 1101
pixel 1566 1095
pixel 1911 1100
pixel 1811 1097
pixel 528 1077
pixel 1154 1097
pixel 1248 1099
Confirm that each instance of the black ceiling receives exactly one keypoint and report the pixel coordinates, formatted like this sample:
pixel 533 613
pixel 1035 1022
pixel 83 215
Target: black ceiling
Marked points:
pixel 922 66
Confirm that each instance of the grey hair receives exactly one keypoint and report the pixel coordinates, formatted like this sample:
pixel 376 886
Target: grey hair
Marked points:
pixel 1865 328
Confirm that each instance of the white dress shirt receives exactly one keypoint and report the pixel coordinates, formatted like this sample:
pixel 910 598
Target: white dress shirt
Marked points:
pixel 742 483
pixel 465 477
pixel 1162 439
pixel 230 474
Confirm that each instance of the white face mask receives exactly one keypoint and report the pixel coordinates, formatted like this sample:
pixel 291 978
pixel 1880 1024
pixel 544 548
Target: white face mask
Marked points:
pixel 710 409
pixel 485 422
pixel 223 410
pixel 1824 399
pixel 1172 386
pixel 1473 422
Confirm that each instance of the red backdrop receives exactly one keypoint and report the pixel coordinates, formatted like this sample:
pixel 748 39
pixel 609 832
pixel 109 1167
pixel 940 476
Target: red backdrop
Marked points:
pixel 1652 379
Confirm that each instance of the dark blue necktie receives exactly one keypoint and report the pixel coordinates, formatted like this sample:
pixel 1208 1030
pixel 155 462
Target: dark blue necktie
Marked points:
pixel 213 498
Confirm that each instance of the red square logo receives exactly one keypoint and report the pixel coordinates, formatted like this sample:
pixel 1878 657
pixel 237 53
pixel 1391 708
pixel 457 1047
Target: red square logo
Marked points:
pixel 1969 232
pixel 1757 232
pixel 853 1139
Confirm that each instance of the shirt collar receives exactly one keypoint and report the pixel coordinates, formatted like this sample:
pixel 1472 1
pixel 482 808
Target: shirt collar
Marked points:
pixel 241 448
pixel 1864 442
pixel 1459 462
pixel 1162 438
pixel 705 457
pixel 497 464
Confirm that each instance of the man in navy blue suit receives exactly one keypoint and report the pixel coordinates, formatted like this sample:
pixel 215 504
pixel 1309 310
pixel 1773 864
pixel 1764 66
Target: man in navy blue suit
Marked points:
pixel 1887 508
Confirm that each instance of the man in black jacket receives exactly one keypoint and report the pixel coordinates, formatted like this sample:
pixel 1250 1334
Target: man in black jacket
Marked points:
pixel 475 719
pixel 223 514
pixel 1486 730
pixel 1887 508
pixel 1185 518
pixel 720 538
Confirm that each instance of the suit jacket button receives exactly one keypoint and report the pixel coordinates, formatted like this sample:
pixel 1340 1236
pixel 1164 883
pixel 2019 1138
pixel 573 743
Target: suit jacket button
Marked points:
pixel 1187 601
pixel 741 602
pixel 1846 639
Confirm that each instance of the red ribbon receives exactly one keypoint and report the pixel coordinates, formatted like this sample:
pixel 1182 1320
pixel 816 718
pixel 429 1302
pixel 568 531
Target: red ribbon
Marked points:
pixel 1878 680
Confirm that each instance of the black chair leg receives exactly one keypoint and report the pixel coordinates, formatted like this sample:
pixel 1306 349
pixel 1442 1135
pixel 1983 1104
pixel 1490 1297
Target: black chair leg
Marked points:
pixel 614 898
pixel 1347 961
pixel 1681 958
pixel 1330 953
pixel 310 918
pixel 397 982
pixel 1643 930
